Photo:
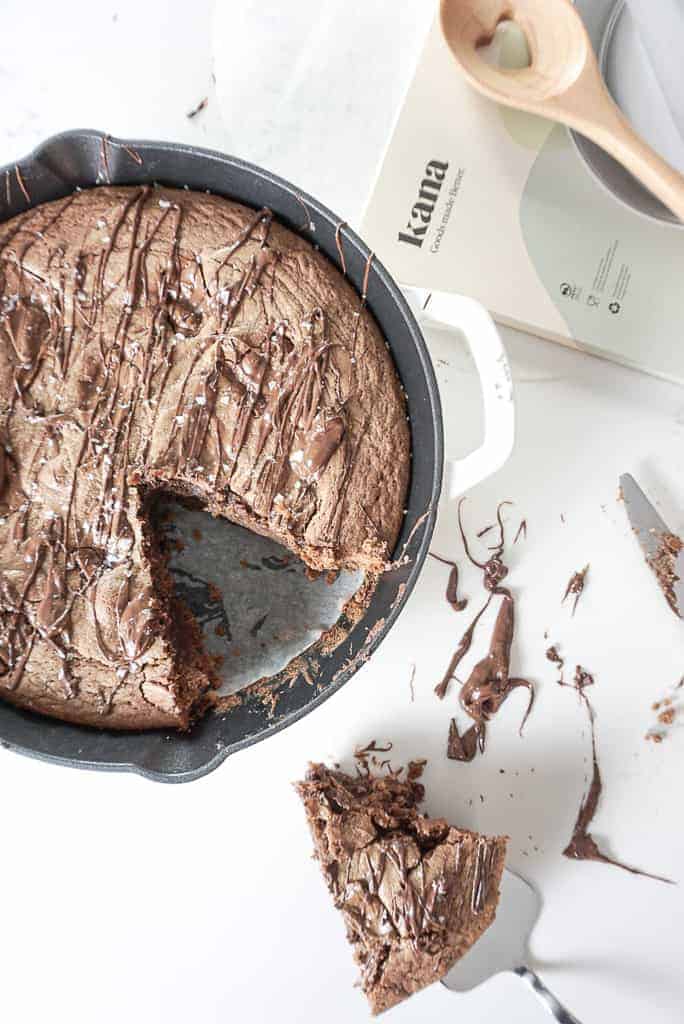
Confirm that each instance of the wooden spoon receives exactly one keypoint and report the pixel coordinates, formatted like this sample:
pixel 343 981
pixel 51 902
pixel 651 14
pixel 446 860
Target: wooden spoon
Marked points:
pixel 563 81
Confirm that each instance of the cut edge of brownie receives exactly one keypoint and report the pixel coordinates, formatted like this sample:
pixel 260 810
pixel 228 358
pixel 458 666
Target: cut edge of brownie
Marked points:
pixel 415 892
pixel 193 669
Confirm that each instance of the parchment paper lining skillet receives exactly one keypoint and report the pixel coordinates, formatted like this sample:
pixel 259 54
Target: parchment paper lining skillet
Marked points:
pixel 82 159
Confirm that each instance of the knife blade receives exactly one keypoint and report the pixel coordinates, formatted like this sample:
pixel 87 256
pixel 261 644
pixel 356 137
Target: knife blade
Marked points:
pixel 663 549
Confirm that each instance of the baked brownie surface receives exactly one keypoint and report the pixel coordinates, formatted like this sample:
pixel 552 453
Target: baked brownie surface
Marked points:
pixel 161 340
pixel 415 892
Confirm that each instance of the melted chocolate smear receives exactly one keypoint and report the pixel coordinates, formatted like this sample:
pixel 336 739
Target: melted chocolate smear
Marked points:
pixel 582 845
pixel 490 681
pixel 198 109
pixel 458 604
pixel 21 183
pixel 403 558
pixel 104 157
pixel 460 653
pixel 373 748
pixel 338 245
pixel 522 531
pixel 575 587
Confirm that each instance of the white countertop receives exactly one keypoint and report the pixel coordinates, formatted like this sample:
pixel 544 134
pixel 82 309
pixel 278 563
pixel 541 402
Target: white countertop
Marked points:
pixel 123 899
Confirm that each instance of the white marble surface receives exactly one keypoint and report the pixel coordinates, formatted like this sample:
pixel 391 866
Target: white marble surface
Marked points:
pixel 128 900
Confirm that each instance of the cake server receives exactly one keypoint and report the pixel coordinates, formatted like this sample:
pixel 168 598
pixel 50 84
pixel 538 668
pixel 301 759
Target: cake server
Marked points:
pixel 658 543
pixel 563 81
pixel 504 947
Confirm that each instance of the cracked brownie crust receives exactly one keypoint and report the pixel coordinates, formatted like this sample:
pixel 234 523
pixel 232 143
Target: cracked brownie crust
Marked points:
pixel 415 892
pixel 161 340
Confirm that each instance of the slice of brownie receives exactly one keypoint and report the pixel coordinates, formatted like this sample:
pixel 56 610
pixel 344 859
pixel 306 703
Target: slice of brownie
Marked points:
pixel 415 892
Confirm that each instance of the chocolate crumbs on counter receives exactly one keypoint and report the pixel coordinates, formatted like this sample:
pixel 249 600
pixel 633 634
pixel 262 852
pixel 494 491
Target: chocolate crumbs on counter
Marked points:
pixel 554 657
pixel 373 748
pixel 458 604
pixel 415 769
pixel 667 711
pixel 575 587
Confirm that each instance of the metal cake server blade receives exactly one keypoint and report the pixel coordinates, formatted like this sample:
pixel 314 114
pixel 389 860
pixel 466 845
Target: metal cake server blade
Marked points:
pixel 504 947
pixel 650 529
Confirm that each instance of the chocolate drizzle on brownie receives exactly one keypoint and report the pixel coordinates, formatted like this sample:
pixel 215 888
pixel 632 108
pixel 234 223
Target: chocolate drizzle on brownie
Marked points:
pixel 415 892
pixel 130 364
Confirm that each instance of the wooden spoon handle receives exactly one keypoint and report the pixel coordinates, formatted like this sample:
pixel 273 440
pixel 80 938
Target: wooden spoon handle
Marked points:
pixel 607 126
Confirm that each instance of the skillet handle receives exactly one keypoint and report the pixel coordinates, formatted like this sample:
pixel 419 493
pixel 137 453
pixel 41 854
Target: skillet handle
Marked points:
pixel 442 309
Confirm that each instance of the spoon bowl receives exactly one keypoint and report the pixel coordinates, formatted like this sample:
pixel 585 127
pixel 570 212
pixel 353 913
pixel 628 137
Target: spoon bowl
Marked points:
pixel 562 82
pixel 557 55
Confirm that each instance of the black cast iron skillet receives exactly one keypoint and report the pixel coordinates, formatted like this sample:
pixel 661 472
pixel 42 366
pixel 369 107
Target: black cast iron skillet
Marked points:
pixel 81 159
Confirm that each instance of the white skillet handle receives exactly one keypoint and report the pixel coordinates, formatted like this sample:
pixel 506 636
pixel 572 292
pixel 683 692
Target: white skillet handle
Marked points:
pixel 442 309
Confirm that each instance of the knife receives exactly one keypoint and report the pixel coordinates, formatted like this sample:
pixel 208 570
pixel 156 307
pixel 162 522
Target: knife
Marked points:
pixel 663 549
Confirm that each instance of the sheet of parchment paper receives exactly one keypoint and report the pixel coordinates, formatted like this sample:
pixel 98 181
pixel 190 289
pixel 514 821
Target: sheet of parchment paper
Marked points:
pixel 252 598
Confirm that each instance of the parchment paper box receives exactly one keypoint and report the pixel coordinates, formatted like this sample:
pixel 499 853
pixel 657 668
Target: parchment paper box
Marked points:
pixel 480 200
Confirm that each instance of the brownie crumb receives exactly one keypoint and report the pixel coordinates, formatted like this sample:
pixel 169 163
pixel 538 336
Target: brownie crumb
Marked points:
pixel 663 564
